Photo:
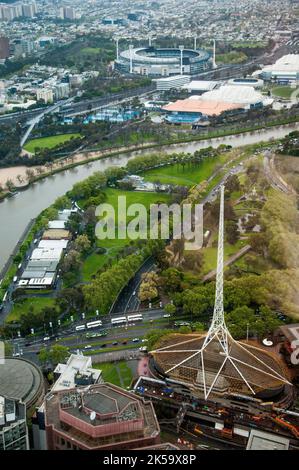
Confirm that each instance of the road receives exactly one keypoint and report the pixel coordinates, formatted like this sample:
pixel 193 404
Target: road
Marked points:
pixel 128 298
pixel 273 176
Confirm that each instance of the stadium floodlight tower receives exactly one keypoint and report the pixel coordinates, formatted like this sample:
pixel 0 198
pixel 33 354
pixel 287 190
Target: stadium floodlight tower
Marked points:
pixel 182 51
pixel 117 47
pixel 214 65
pixel 131 57
pixel 195 42
pixel 217 357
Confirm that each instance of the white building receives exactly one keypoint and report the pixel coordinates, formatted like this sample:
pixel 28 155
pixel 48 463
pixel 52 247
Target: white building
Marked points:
pixel 201 86
pixel 167 83
pixel 285 69
pixel 45 95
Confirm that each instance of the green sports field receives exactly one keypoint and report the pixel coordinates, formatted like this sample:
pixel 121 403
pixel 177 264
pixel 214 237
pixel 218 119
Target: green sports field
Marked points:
pixel 49 142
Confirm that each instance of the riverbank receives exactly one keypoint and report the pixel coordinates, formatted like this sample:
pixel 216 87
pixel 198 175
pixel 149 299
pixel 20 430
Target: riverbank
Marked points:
pixel 18 174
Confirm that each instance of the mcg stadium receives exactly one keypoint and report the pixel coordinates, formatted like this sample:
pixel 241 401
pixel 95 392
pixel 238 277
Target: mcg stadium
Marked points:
pixel 163 61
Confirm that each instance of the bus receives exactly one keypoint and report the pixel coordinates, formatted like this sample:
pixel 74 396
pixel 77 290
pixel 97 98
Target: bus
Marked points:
pixel 80 327
pixel 135 317
pixel 118 320
pixel 94 324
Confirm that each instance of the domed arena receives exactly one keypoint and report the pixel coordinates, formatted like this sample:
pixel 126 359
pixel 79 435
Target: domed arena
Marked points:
pixel 246 369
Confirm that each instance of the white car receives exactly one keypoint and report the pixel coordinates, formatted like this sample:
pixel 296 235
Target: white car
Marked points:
pixel 144 340
pixel 88 346
pixel 167 315
pixel 47 338
pixel 135 340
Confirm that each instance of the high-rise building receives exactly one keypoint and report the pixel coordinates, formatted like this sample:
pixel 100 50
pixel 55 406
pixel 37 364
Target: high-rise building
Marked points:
pixel 45 95
pixel 4 48
pixel 67 13
pixel 99 417
pixel 13 428
pixel 62 90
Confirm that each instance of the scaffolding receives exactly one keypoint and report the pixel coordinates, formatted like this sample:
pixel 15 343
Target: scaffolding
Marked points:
pixel 215 363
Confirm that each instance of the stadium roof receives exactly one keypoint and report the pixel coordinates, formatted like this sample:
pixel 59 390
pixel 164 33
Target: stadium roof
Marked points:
pixel 200 85
pixel 237 94
pixel 287 63
pixel 209 108
pixel 21 380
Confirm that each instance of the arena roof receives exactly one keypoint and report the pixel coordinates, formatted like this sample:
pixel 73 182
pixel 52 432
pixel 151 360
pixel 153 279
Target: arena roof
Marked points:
pixel 209 108
pixel 287 63
pixel 238 94
pixel 21 380
pixel 200 85
pixel 162 55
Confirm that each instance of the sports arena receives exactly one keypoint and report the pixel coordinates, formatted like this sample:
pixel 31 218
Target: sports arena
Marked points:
pixel 163 62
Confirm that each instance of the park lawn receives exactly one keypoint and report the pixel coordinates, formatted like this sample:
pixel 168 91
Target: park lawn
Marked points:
pixel 283 91
pixel 49 142
pixel 210 254
pixel 95 261
pixel 91 265
pixel 184 176
pixel 118 373
pixel 90 50
pixel 24 306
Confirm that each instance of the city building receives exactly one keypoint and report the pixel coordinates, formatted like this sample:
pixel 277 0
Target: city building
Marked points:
pixel 260 440
pixel 163 62
pixel 45 95
pixel 168 83
pixel 4 48
pixel 62 90
pixel 285 69
pixel 77 372
pixel 13 427
pixel 99 417
pixel 67 13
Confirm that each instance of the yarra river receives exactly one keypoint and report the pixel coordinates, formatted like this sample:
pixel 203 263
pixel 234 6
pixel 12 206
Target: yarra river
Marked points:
pixel 16 212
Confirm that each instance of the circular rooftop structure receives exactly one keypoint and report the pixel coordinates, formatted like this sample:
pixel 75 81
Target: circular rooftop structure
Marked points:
pixel 22 380
pixel 163 61
pixel 246 369
pixel 247 81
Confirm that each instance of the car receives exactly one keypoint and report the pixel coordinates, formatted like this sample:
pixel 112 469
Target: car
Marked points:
pixel 103 345
pixel 144 340
pixel 167 315
pixel 135 340
pixel 124 342
pixel 47 338
pixel 115 343
pixel 143 349
pixel 88 346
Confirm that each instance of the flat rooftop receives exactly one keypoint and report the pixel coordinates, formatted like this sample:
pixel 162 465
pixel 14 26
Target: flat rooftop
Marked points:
pixel 259 440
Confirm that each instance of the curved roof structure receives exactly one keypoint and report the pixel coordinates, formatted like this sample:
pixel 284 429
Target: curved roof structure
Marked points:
pixel 245 370
pixel 239 94
pixel 22 380
pixel 150 55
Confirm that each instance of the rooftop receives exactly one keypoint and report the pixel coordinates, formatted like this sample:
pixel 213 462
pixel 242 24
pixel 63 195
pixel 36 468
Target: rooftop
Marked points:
pixel 209 108
pixel 76 364
pixel 100 415
pixel 259 440
pixel 21 380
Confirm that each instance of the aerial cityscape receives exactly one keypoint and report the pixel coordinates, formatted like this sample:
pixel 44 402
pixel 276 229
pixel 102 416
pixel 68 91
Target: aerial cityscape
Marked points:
pixel 149 227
